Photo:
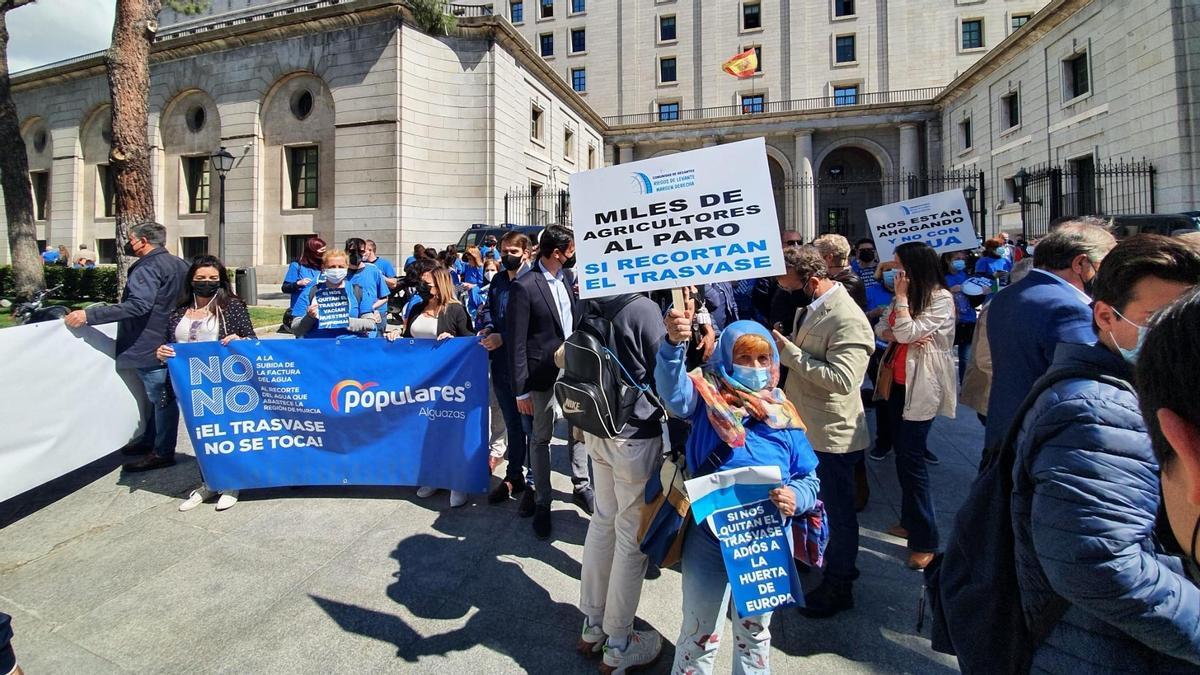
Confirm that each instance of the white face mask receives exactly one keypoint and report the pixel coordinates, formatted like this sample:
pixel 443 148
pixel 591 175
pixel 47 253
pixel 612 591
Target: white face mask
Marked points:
pixel 488 276
pixel 335 275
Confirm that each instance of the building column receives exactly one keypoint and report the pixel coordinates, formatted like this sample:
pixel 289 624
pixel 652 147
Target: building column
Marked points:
pixel 625 151
pixel 610 155
pixel 805 178
pixel 910 158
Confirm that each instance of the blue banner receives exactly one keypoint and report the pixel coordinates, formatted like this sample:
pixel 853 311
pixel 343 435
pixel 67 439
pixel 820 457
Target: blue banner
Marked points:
pixel 758 557
pixel 276 413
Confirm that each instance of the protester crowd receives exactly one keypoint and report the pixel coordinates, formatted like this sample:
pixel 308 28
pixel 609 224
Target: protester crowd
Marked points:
pixel 1044 338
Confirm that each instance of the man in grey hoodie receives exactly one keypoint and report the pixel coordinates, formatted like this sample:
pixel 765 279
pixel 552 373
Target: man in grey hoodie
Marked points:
pixel 613 564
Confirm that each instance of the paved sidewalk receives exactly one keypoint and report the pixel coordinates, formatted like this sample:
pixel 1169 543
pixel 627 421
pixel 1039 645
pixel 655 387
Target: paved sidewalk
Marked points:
pixel 103 574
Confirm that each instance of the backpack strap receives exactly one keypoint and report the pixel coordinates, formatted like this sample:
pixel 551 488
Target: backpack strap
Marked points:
pixel 1007 453
pixel 609 314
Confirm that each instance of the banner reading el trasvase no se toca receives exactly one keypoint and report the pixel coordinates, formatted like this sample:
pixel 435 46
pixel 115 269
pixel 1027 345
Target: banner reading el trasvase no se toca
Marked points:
pixel 280 413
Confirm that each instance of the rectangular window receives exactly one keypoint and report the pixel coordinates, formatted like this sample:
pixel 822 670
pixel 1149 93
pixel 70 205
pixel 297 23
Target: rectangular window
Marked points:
pixel 535 123
pixel 753 103
pixel 578 6
pixel 293 245
pixel 191 247
pixel 666 70
pixel 1011 107
pixel 751 15
pixel 40 180
pixel 845 95
pixel 568 144
pixel 547 9
pixel 547 43
pixel 578 41
pixel 1085 200
pixel 107 191
pixel 964 132
pixel 579 79
pixel 304 176
pixel 666 28
pixel 972 34
pixel 1076 75
pixel 845 52
pixel 106 251
pixel 1019 20
pixel 843 7
pixel 196 176
pixel 668 112
pixel 516 11
pixel 591 157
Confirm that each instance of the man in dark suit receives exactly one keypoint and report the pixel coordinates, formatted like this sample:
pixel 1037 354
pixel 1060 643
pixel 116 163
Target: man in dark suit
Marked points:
pixel 541 315
pixel 1028 320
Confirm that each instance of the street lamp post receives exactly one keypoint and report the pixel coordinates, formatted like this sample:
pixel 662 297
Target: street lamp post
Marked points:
pixel 222 161
pixel 969 192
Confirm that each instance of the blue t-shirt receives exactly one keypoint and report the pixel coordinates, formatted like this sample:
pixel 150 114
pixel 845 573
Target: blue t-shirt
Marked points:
pixel 50 257
pixel 373 284
pixel 472 275
pixel 357 309
pixel 296 272
pixel 966 313
pixel 492 252
pixel 388 269
pixel 988 266
pixel 866 273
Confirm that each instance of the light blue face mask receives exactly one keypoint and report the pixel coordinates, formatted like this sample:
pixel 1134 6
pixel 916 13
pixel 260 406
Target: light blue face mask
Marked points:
pixel 958 265
pixel 754 379
pixel 1130 355
pixel 889 278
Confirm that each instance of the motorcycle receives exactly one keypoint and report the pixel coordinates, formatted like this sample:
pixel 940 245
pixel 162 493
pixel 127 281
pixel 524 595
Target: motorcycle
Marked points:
pixel 34 311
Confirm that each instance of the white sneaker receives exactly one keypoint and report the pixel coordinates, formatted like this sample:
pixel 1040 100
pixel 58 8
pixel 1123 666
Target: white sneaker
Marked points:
pixel 425 491
pixel 643 648
pixel 198 497
pixel 227 500
pixel 458 499
pixel 591 640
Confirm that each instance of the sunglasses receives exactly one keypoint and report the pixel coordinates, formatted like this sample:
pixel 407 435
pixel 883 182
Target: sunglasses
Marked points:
pixel 792 242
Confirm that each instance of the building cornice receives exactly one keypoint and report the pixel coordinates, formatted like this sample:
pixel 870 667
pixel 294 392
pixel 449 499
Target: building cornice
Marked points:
pixel 1047 19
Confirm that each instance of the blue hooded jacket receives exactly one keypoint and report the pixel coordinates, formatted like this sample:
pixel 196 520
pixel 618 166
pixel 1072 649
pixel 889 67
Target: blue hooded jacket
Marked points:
pixel 1084 505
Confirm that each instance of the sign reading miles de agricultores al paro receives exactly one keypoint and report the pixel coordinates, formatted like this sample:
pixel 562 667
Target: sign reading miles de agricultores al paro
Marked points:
pixel 690 218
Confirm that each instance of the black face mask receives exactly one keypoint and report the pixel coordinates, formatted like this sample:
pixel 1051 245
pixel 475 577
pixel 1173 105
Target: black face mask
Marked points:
pixel 424 290
pixel 205 289
pixel 128 250
pixel 355 257
pixel 511 263
pixel 866 256
pixel 569 262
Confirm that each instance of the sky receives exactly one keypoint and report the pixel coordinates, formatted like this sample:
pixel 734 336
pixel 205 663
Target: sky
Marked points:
pixel 52 30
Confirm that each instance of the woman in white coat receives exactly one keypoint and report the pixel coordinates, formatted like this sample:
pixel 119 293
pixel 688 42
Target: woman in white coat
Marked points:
pixel 919 366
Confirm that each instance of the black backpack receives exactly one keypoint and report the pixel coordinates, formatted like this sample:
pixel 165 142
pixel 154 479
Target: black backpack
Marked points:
pixel 595 391
pixel 972 586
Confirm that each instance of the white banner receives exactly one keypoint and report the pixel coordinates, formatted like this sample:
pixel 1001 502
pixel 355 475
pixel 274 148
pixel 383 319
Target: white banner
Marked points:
pixel 689 218
pixel 62 402
pixel 941 220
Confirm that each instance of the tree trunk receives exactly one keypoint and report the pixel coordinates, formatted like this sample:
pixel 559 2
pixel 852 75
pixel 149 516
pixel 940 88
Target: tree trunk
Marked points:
pixel 129 87
pixel 28 275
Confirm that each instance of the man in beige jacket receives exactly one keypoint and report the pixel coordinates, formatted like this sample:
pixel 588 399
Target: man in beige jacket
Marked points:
pixel 827 356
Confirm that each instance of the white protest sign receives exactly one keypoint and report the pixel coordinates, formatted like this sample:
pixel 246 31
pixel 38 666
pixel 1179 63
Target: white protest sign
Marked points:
pixel 941 220
pixel 694 217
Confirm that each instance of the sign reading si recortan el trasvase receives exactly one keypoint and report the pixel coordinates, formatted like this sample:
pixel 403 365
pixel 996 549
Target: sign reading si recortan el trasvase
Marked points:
pixel 690 218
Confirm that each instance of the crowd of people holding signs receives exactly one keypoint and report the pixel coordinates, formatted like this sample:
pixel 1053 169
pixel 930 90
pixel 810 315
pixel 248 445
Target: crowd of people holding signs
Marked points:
pixel 717 380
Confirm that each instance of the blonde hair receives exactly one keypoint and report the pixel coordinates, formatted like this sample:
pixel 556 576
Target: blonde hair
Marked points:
pixel 835 246
pixel 754 345
pixel 333 254
pixel 445 288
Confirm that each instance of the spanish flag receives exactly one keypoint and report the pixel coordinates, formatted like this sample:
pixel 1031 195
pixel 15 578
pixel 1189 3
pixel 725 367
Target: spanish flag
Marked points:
pixel 743 65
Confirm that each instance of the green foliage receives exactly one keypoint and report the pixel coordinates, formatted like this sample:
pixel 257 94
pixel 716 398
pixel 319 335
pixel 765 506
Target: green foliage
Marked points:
pixel 432 16
pixel 188 7
pixel 98 284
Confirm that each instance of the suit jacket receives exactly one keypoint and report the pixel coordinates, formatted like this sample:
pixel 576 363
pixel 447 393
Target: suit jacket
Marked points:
pixel 535 330
pixel 1026 323
pixel 827 360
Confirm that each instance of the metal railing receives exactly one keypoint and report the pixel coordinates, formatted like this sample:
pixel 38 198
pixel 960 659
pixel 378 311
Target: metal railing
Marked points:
pixel 537 207
pixel 1085 188
pixel 835 102
pixel 462 11
pixel 242 16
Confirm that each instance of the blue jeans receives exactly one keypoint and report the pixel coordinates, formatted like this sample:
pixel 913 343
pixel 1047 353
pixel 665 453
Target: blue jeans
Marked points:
pixel 836 472
pixel 517 428
pixel 909 439
pixel 162 421
pixel 705 603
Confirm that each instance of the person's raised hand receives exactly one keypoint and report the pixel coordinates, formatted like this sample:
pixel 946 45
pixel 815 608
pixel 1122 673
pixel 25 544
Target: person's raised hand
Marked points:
pixel 679 323
pixel 303 282
pixel 901 284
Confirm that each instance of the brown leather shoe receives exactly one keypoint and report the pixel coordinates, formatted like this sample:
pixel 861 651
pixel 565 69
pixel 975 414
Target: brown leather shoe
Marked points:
pixel 919 561
pixel 897 531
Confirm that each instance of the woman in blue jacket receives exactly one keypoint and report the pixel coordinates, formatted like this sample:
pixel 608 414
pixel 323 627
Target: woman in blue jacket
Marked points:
pixel 736 410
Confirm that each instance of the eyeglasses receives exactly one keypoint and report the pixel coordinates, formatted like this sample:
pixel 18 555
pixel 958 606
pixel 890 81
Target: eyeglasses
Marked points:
pixel 792 242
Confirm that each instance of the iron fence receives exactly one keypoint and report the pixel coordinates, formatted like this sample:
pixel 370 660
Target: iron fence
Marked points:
pixel 1082 187
pixel 469 11
pixel 759 107
pixel 537 206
